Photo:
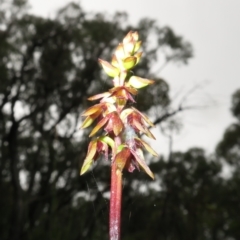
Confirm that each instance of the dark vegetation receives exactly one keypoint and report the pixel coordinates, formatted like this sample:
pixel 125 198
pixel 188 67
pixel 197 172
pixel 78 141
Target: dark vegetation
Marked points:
pixel 48 68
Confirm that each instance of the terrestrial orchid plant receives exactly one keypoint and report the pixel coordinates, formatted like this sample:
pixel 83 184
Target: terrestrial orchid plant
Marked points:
pixel 121 125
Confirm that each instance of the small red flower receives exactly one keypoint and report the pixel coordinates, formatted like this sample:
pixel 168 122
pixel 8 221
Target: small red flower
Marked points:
pixel 96 147
pixel 112 122
pixel 132 158
pixel 123 92
pixel 137 120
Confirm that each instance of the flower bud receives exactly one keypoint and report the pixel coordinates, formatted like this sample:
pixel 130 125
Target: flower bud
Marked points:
pixel 110 70
pixel 129 62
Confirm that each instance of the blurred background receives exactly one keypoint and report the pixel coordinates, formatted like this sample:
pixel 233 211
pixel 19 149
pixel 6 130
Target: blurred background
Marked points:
pixel 48 69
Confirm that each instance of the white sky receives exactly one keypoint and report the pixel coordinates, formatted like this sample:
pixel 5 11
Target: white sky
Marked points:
pixel 213 28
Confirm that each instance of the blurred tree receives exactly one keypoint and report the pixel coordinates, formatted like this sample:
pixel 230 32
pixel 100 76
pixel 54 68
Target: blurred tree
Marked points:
pixel 229 146
pixel 236 104
pixel 183 206
pixel 48 68
pixel 228 151
pixel 189 200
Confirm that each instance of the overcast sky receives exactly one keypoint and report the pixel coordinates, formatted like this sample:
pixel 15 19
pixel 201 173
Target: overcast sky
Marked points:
pixel 213 28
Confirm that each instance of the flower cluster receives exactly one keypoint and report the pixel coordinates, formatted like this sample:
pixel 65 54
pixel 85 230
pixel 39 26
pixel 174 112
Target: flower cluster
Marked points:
pixel 121 125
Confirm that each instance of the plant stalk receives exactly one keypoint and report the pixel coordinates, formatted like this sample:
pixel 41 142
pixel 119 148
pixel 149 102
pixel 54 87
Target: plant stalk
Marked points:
pixel 115 200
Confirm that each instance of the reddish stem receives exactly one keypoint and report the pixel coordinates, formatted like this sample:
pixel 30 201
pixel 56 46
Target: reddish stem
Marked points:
pixel 115 201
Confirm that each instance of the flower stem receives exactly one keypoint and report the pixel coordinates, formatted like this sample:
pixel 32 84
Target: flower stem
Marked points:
pixel 115 201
